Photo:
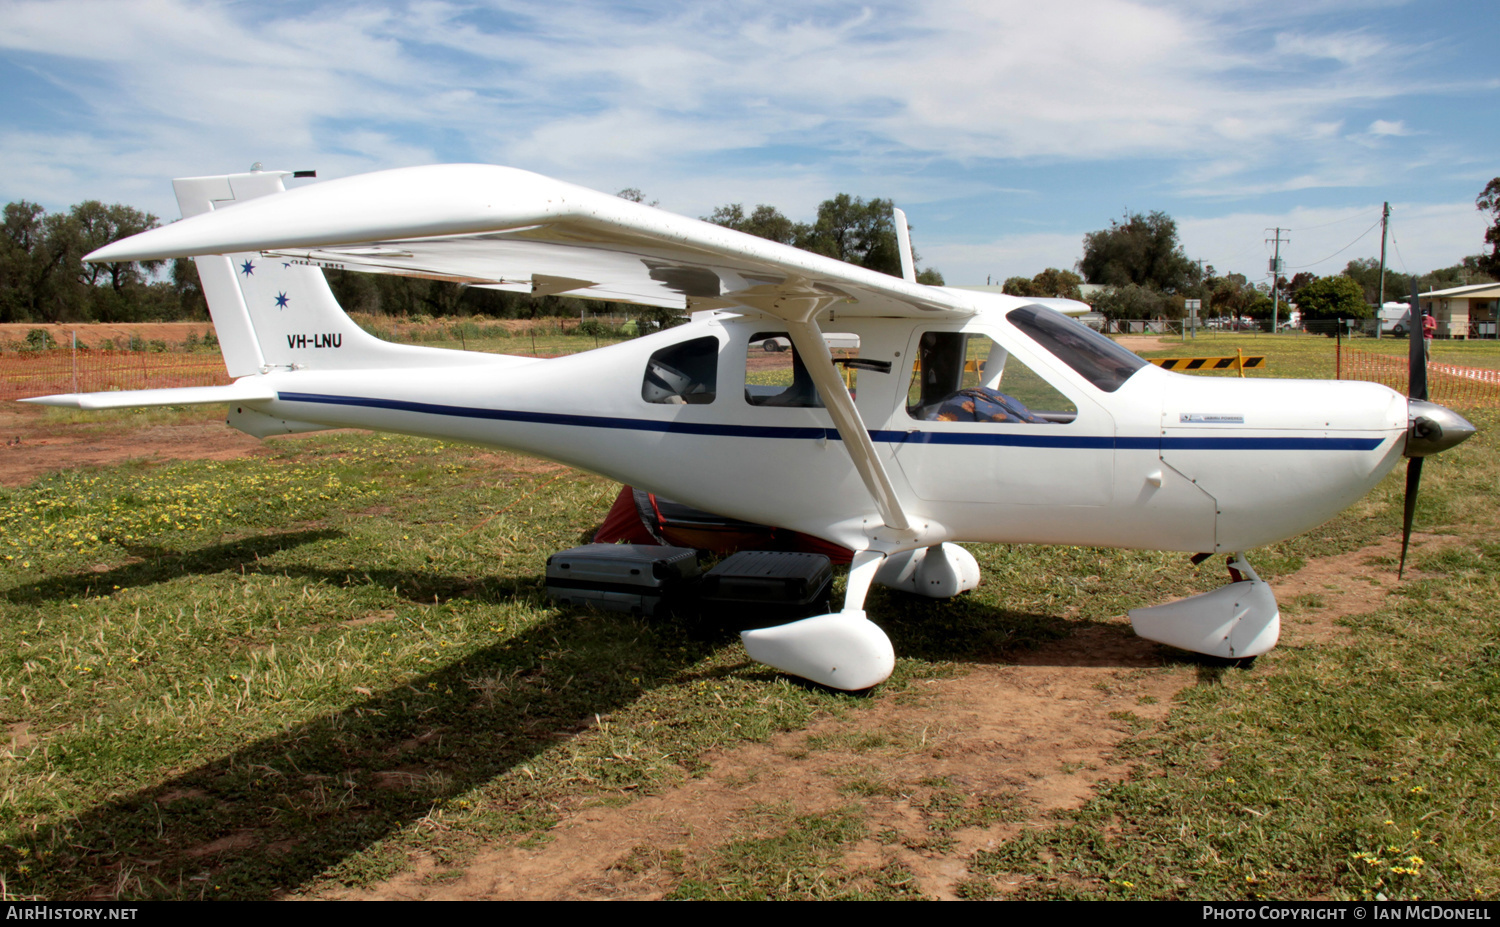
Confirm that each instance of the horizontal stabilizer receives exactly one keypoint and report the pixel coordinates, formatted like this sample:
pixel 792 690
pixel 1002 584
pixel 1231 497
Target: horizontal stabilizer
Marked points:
pixel 241 391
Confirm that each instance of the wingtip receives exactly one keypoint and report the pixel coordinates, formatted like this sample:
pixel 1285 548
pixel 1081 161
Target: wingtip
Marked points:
pixel 62 400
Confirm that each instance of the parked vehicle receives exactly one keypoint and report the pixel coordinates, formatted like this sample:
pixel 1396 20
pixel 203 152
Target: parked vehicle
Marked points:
pixel 1395 319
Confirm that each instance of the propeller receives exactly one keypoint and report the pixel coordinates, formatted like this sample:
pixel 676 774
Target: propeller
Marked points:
pixel 1416 388
pixel 1432 428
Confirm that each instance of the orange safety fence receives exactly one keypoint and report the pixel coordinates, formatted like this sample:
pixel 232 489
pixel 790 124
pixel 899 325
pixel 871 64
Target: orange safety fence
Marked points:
pixel 43 373
pixel 1449 384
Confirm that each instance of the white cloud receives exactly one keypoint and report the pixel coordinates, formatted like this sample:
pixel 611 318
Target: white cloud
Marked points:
pixel 965 79
pixel 1009 256
pixel 1344 47
pixel 709 102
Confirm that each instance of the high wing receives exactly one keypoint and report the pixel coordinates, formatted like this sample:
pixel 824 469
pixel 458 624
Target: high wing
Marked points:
pixel 500 227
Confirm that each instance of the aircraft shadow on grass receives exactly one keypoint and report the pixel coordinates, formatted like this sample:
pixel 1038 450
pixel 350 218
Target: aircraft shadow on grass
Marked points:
pixel 296 806
pixel 155 565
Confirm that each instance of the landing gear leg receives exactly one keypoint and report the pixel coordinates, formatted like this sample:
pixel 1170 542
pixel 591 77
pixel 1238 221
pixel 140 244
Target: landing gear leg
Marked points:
pixel 841 650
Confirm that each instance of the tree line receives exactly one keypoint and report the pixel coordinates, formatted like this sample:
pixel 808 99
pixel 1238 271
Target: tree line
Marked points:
pixel 1138 263
pixel 43 277
pixel 1145 274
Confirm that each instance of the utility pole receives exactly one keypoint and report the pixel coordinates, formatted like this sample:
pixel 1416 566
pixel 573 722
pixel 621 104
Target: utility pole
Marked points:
pixel 1275 276
pixel 1202 295
pixel 1385 221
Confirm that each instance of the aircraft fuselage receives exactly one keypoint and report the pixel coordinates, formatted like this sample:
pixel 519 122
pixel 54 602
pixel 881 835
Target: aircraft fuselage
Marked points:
pixel 1160 461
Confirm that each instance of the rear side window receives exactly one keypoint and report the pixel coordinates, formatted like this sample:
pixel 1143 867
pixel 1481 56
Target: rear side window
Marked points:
pixel 1095 358
pixel 683 374
pixel 775 374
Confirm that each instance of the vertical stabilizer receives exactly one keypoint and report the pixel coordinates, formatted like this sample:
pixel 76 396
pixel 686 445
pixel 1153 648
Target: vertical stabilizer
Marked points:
pixel 271 312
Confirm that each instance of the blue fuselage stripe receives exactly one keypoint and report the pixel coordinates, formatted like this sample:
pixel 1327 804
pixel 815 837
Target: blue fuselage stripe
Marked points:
pixel 991 439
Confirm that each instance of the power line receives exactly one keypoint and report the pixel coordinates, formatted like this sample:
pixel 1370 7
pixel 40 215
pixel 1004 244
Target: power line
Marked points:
pixel 1358 215
pixel 1397 245
pixel 1341 250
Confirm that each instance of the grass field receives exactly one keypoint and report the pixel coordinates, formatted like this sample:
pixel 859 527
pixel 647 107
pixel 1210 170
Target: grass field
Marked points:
pixel 293 675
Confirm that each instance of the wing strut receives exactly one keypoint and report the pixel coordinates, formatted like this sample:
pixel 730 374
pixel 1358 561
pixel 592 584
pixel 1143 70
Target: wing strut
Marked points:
pixel 803 329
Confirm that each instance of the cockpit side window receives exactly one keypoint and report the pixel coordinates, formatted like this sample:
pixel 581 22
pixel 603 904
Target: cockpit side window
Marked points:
pixel 683 374
pixel 959 377
pixel 1095 357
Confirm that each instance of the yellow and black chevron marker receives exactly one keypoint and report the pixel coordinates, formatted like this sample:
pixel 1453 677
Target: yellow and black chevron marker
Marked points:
pixel 1238 362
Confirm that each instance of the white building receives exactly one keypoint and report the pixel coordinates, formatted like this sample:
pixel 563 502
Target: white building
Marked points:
pixel 1464 311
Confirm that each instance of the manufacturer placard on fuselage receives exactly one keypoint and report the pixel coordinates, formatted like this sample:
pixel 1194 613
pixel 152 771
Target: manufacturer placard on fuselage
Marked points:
pixel 1210 418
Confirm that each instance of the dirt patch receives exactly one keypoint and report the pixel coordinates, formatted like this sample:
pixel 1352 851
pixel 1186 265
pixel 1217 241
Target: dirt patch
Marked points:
pixel 1315 597
pixel 1031 737
pixel 91 334
pixel 1140 343
pixel 1027 738
pixel 19 737
pixel 237 841
pixel 31 445
pixel 373 618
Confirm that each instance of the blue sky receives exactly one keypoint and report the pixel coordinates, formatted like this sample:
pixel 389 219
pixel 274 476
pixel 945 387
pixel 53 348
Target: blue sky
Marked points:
pixel 1006 129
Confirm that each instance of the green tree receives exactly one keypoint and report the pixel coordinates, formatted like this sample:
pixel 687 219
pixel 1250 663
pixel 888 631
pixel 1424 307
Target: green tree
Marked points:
pixel 1049 283
pixel 634 195
pixel 1018 286
pixel 765 222
pixel 1057 283
pixel 31 260
pixel 855 231
pixel 1366 272
pixel 1141 250
pixel 189 289
pixel 848 228
pixel 1489 201
pixel 1332 298
pixel 1469 270
pixel 1235 295
pixel 1134 301
pixel 93 225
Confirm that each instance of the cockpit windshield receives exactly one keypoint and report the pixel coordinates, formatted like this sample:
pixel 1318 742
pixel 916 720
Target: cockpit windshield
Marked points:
pixel 1095 357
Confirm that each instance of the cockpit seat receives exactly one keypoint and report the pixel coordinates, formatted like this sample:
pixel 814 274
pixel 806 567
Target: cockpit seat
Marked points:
pixel 978 404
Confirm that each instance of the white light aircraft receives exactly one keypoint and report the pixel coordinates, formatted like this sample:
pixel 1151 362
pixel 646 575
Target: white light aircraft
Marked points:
pixel 974 417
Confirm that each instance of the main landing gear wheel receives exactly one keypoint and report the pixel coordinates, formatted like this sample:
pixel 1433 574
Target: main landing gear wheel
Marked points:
pixel 1233 622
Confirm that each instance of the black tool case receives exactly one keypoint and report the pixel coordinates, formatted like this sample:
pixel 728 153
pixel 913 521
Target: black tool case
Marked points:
pixel 768 587
pixel 631 578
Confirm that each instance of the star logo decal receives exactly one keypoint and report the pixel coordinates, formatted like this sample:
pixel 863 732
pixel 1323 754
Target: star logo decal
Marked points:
pixel 281 300
pixel 247 268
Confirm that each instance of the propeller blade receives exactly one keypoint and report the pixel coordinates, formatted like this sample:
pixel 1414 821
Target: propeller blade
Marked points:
pixel 1416 388
pixel 1416 367
pixel 1409 507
